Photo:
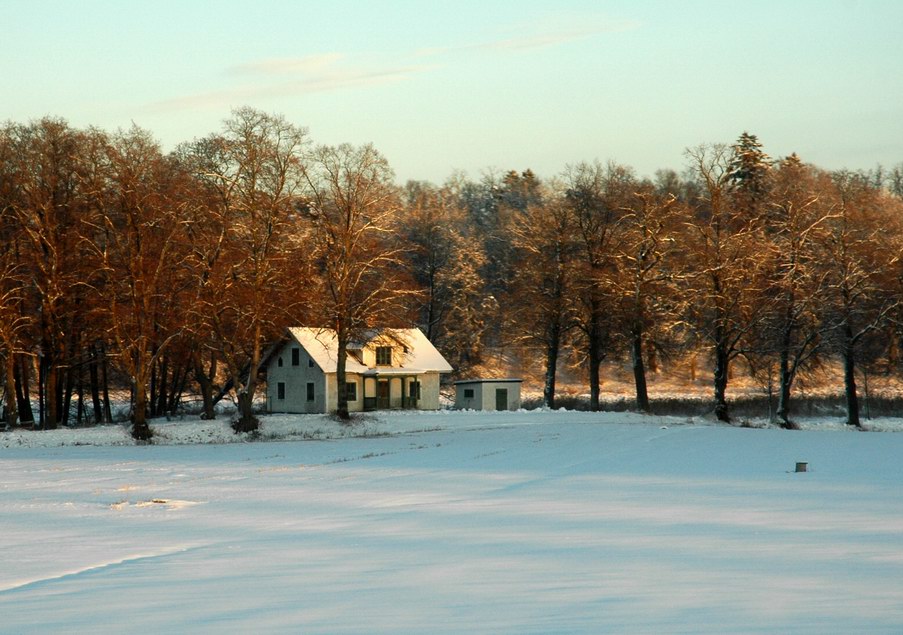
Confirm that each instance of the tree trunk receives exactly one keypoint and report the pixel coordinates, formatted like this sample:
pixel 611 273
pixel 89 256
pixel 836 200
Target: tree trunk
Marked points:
pixel 52 395
pixel 722 360
pixel 42 392
pixel 152 401
pixel 140 429
pixel 849 378
pixel 162 392
pixel 595 356
pixel 246 422
pixel 105 386
pixel 95 386
pixel 179 380
pixel 12 413
pixel 23 391
pixel 205 383
pixel 785 379
pixel 553 346
pixel 639 371
pixel 67 396
pixel 341 382
pixel 81 410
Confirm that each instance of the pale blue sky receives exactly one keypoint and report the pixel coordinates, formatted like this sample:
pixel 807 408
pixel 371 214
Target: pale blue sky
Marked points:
pixel 476 85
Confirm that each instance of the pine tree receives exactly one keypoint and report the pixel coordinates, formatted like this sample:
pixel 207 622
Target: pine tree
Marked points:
pixel 749 173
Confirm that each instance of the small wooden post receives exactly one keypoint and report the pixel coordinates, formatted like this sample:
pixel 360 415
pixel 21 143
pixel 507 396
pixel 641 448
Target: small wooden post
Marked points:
pixel 802 466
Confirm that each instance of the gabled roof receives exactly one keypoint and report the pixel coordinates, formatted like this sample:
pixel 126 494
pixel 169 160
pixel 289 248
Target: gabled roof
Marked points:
pixel 420 355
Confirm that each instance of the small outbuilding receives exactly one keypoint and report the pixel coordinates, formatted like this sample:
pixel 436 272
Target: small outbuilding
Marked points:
pixel 488 394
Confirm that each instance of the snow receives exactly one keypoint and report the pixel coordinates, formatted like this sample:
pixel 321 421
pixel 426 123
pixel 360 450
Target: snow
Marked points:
pixel 454 522
pixel 420 356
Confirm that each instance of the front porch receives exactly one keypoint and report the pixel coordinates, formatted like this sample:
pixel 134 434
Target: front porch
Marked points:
pixel 390 392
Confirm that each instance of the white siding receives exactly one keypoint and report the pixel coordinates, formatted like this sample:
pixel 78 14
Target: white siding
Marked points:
pixel 295 379
pixel 429 391
pixel 484 393
pixel 473 403
pixel 332 392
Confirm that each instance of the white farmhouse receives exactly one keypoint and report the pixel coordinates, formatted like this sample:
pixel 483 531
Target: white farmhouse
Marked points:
pixel 388 368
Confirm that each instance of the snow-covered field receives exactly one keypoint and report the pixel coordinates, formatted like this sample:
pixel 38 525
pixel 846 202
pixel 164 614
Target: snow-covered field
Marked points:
pixel 528 522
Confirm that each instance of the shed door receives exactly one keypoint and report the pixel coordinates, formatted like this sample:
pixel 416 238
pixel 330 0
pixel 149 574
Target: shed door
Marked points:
pixel 501 398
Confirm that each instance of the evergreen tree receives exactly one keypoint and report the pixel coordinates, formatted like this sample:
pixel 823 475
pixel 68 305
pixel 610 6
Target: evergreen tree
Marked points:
pixel 749 173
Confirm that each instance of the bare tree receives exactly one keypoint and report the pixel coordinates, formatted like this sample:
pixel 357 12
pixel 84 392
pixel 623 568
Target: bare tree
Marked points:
pixel 13 324
pixel 646 283
pixel 47 164
pixel 432 220
pixel 353 209
pixel 725 274
pixel 141 243
pixel 538 308
pixel 248 248
pixel 862 268
pixel 595 197
pixel 798 210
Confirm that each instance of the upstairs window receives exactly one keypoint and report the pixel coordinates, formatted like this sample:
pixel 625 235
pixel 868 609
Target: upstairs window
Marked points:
pixel 383 355
pixel 280 362
pixel 310 362
pixel 296 357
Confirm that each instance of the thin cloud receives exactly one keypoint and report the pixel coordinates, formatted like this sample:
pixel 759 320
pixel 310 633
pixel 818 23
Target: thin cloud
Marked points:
pixel 289 77
pixel 288 66
pixel 540 38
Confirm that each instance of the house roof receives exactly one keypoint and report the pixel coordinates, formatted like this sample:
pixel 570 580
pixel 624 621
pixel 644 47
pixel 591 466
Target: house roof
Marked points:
pixel 420 355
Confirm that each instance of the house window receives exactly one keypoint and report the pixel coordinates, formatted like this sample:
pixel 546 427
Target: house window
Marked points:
pixel 468 393
pixel 280 390
pixel 383 355
pixel 296 357
pixel 310 391
pixel 414 390
pixel 351 390
pixel 279 363
pixel 310 362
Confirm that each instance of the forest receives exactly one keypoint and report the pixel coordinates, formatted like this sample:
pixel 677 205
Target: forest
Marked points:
pixel 127 270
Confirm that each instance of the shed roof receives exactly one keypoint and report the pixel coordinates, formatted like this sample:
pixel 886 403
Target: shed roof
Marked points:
pixel 488 380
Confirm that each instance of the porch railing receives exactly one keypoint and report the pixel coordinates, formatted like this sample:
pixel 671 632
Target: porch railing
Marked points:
pixel 395 403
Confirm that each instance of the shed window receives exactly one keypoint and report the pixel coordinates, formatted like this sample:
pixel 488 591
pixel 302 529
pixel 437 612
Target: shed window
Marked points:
pixel 296 357
pixel 383 355
pixel 280 390
pixel 468 393
pixel 310 391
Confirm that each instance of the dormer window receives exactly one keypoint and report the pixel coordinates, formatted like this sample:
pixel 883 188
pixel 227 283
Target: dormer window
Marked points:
pixel 383 355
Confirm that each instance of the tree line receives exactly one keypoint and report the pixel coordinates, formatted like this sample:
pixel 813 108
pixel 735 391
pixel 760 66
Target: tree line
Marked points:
pixel 174 273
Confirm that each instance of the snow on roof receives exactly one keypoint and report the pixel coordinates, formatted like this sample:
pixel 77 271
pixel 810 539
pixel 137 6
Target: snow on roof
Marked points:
pixel 419 353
